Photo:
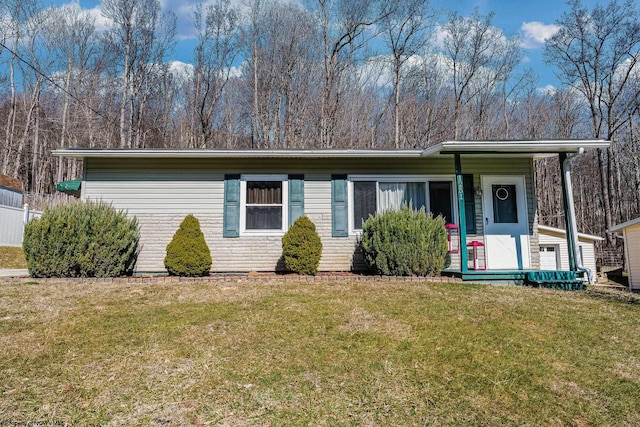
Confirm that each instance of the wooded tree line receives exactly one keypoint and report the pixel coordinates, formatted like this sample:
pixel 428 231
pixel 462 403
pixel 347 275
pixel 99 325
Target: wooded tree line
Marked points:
pixel 321 74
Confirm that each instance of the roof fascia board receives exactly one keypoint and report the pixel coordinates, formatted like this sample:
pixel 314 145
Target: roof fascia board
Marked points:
pixel 562 232
pixel 624 225
pixel 491 148
pixel 541 146
pixel 238 154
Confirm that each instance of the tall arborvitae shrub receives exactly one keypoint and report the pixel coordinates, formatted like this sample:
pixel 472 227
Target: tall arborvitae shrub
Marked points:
pixel 405 243
pixel 81 240
pixel 187 253
pixel 302 247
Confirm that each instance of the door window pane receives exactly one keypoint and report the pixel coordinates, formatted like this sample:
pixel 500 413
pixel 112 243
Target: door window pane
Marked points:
pixel 505 207
pixel 440 199
pixel 364 202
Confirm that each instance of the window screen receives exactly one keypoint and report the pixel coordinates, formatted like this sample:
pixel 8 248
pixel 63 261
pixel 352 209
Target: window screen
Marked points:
pixel 264 205
pixel 364 202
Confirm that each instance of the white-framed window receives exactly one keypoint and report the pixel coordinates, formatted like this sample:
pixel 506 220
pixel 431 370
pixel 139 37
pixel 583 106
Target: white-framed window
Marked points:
pixel 263 204
pixel 371 194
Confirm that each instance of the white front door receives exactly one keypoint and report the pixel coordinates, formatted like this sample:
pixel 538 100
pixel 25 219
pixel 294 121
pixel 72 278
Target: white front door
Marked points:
pixel 506 223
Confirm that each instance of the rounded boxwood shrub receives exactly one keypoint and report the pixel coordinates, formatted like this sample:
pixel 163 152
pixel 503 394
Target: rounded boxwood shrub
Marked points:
pixel 187 253
pixel 302 247
pixel 81 239
pixel 404 243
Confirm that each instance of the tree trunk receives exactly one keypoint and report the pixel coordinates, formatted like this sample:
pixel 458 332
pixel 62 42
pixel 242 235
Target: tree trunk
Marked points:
pixel 11 117
pixel 604 187
pixel 65 114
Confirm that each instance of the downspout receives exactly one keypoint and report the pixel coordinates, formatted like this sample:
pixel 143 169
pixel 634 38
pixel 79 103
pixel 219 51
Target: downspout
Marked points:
pixel 570 214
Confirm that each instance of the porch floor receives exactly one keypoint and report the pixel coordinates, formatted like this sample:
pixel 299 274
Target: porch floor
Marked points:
pixel 514 277
pixel 510 276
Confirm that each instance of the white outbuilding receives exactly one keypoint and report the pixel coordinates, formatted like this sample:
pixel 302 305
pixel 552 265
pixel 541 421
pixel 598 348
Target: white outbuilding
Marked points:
pixel 631 234
pixel 554 254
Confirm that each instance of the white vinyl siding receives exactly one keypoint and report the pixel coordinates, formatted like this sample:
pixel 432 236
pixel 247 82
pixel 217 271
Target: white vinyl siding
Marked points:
pixel 586 247
pixel 632 255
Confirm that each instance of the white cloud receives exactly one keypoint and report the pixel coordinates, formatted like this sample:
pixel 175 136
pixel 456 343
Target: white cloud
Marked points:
pixel 535 33
pixel 101 23
pixel 181 70
pixel 548 90
pixel 438 36
pixel 183 10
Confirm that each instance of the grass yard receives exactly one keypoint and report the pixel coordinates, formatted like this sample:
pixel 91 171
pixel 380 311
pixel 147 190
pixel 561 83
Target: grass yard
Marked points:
pixel 332 353
pixel 11 257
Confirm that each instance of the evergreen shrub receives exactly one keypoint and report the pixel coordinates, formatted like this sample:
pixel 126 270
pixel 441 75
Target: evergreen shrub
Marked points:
pixel 81 239
pixel 188 254
pixel 405 243
pixel 302 247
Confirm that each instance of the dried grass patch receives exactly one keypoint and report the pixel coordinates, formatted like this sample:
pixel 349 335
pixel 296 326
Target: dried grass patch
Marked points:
pixel 361 321
pixel 324 353
pixel 12 257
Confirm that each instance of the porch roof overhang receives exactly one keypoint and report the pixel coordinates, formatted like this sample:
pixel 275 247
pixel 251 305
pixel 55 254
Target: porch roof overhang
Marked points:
pixel 528 148
pixel 620 227
pixel 520 148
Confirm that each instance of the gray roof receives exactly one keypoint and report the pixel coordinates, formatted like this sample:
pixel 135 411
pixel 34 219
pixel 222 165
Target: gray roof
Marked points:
pixel 535 149
pixel 624 225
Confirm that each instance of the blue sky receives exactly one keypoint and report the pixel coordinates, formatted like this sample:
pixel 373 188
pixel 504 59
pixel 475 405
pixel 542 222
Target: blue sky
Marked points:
pixel 533 20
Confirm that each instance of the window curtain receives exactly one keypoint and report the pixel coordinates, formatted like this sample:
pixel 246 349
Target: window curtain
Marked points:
pixel 394 195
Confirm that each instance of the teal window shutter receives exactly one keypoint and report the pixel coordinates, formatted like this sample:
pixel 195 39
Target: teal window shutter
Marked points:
pixel 339 206
pixel 231 215
pixel 296 197
pixel 469 203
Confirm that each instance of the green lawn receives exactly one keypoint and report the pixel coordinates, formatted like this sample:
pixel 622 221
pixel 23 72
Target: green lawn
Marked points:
pixel 11 257
pixel 332 353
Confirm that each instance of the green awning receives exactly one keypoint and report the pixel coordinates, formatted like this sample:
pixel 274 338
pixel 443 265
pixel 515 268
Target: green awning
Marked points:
pixel 71 187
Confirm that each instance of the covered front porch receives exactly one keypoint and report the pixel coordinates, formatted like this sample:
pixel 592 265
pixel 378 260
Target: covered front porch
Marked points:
pixel 502 247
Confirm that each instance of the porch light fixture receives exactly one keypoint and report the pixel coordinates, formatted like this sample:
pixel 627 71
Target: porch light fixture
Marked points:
pixel 478 191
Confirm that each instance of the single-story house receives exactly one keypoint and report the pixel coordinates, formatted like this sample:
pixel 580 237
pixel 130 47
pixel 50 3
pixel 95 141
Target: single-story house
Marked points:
pixel 246 199
pixel 631 234
pixel 554 253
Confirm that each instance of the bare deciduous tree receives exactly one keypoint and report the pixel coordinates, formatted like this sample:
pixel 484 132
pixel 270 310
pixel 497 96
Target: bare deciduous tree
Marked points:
pixel 217 48
pixel 597 53
pixel 138 38
pixel 480 57
pixel 405 31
